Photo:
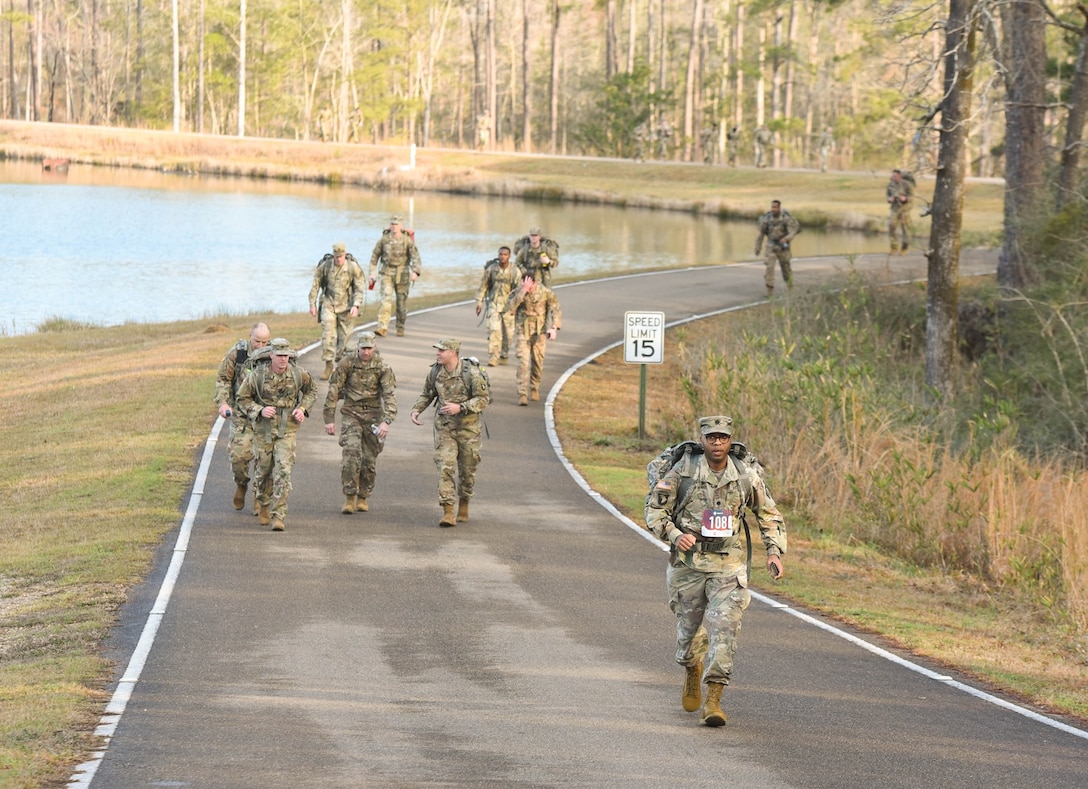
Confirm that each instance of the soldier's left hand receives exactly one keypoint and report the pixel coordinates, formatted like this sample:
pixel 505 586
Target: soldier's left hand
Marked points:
pixel 552 334
pixel 355 312
pixel 330 428
pixel 413 276
pixel 774 567
pixel 299 415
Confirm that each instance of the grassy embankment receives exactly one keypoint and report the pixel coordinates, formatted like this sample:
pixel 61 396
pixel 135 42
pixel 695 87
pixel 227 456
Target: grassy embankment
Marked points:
pixel 95 468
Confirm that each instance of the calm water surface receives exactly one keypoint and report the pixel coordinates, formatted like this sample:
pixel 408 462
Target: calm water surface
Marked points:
pixel 108 246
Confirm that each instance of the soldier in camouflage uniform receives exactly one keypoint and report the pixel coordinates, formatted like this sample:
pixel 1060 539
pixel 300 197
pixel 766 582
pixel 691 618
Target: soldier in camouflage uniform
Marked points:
pixel 277 396
pixel 779 228
pixel 708 575
pixel 825 144
pixel 732 145
pixel 538 319
pixel 231 372
pixel 900 192
pixel 340 285
pixel 400 266
pixel 500 277
pixel 460 393
pixel 763 139
pixel 367 386
pixel 536 255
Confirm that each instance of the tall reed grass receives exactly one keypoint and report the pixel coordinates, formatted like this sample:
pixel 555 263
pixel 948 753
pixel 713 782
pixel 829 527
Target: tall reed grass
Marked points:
pixel 838 411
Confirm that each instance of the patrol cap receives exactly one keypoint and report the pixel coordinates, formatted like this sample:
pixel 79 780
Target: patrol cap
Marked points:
pixel 396 219
pixel 366 340
pixel 535 231
pixel 339 249
pixel 280 347
pixel 716 424
pixel 448 344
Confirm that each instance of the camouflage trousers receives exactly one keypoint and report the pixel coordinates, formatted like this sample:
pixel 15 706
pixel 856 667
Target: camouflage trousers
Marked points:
pixel 500 334
pixel 708 608
pixel 336 328
pixel 531 350
pixel 394 294
pixel 275 459
pixel 456 455
pixel 782 257
pixel 240 447
pixel 899 224
pixel 359 460
pixel 761 155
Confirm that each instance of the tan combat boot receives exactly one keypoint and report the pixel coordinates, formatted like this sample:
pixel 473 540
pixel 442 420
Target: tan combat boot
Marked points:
pixel 240 496
pixel 523 400
pixel 693 687
pixel 265 514
pixel 328 372
pixel 534 395
pixel 400 331
pixel 349 505
pixel 712 709
pixel 448 518
pixel 462 510
pixel 277 525
pixel 361 505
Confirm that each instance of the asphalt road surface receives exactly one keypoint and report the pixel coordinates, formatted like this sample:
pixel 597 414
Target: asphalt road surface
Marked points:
pixel 531 646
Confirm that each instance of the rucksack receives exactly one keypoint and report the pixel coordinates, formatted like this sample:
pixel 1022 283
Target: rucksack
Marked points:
pixel 466 375
pixel 546 244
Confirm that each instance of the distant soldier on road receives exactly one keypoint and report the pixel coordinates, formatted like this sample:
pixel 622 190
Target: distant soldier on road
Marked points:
pixel 763 139
pixel 642 141
pixel 708 141
pixel 899 194
pixel 232 371
pixel 367 386
pixel 732 145
pixel 662 137
pixel 277 396
pixel 396 260
pixel 779 228
pixel 825 145
pixel 500 277
pixel 460 393
pixel 538 319
pixel 337 296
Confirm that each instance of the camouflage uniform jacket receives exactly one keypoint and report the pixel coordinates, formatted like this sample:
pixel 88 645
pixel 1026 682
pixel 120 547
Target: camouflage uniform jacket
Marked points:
pixel 341 287
pixel 291 389
pixel 528 259
pixel 536 312
pixel 708 494
pixel 777 229
pixel 231 374
pixel 393 254
pixel 895 190
pixel 363 386
pixel 449 386
pixel 496 284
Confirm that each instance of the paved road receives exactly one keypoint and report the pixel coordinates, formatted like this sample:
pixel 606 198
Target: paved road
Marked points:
pixel 531 646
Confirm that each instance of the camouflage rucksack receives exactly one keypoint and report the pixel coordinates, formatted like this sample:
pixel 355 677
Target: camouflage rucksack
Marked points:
pixel 259 362
pixel 686 452
pixel 467 363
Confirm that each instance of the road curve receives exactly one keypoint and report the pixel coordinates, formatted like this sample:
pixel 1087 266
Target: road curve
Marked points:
pixel 531 646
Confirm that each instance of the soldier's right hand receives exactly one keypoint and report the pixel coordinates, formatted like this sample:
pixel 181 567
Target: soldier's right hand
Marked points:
pixel 330 428
pixel 224 410
pixel 479 308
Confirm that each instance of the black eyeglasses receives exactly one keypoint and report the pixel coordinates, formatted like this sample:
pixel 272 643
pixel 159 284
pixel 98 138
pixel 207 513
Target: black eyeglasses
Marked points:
pixel 716 439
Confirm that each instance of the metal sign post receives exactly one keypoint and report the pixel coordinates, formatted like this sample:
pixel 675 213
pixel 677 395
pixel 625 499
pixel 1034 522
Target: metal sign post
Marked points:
pixel 643 344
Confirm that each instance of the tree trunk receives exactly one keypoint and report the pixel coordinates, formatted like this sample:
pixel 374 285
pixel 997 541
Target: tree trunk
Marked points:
pixel 738 71
pixel 1025 89
pixel 1074 125
pixel 690 80
pixel 631 36
pixel 526 83
pixel 492 75
pixel 177 65
pixel 200 72
pixel 242 68
pixel 611 42
pixel 942 320
pixel 345 72
pixel 554 120
pixel 32 74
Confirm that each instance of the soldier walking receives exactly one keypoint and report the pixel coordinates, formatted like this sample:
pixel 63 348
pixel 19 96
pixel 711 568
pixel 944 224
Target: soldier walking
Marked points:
pixel 825 145
pixel 232 371
pixel 763 139
pixel 696 507
pixel 500 277
pixel 460 392
pixel 336 299
pixel 277 396
pixel 537 320
pixel 396 260
pixel 899 193
pixel 367 386
pixel 536 255
pixel 779 228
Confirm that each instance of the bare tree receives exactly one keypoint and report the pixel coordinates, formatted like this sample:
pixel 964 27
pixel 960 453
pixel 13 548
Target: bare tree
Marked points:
pixel 242 68
pixel 1078 108
pixel 1024 60
pixel 691 79
pixel 177 65
pixel 526 83
pixel 942 295
pixel 554 89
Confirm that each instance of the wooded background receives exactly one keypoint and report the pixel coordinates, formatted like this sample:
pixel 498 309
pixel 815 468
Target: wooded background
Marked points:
pixel 554 76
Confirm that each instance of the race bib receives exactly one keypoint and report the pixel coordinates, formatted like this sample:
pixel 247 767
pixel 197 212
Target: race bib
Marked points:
pixel 717 523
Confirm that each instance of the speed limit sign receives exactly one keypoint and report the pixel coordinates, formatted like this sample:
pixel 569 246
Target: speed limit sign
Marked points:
pixel 644 337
